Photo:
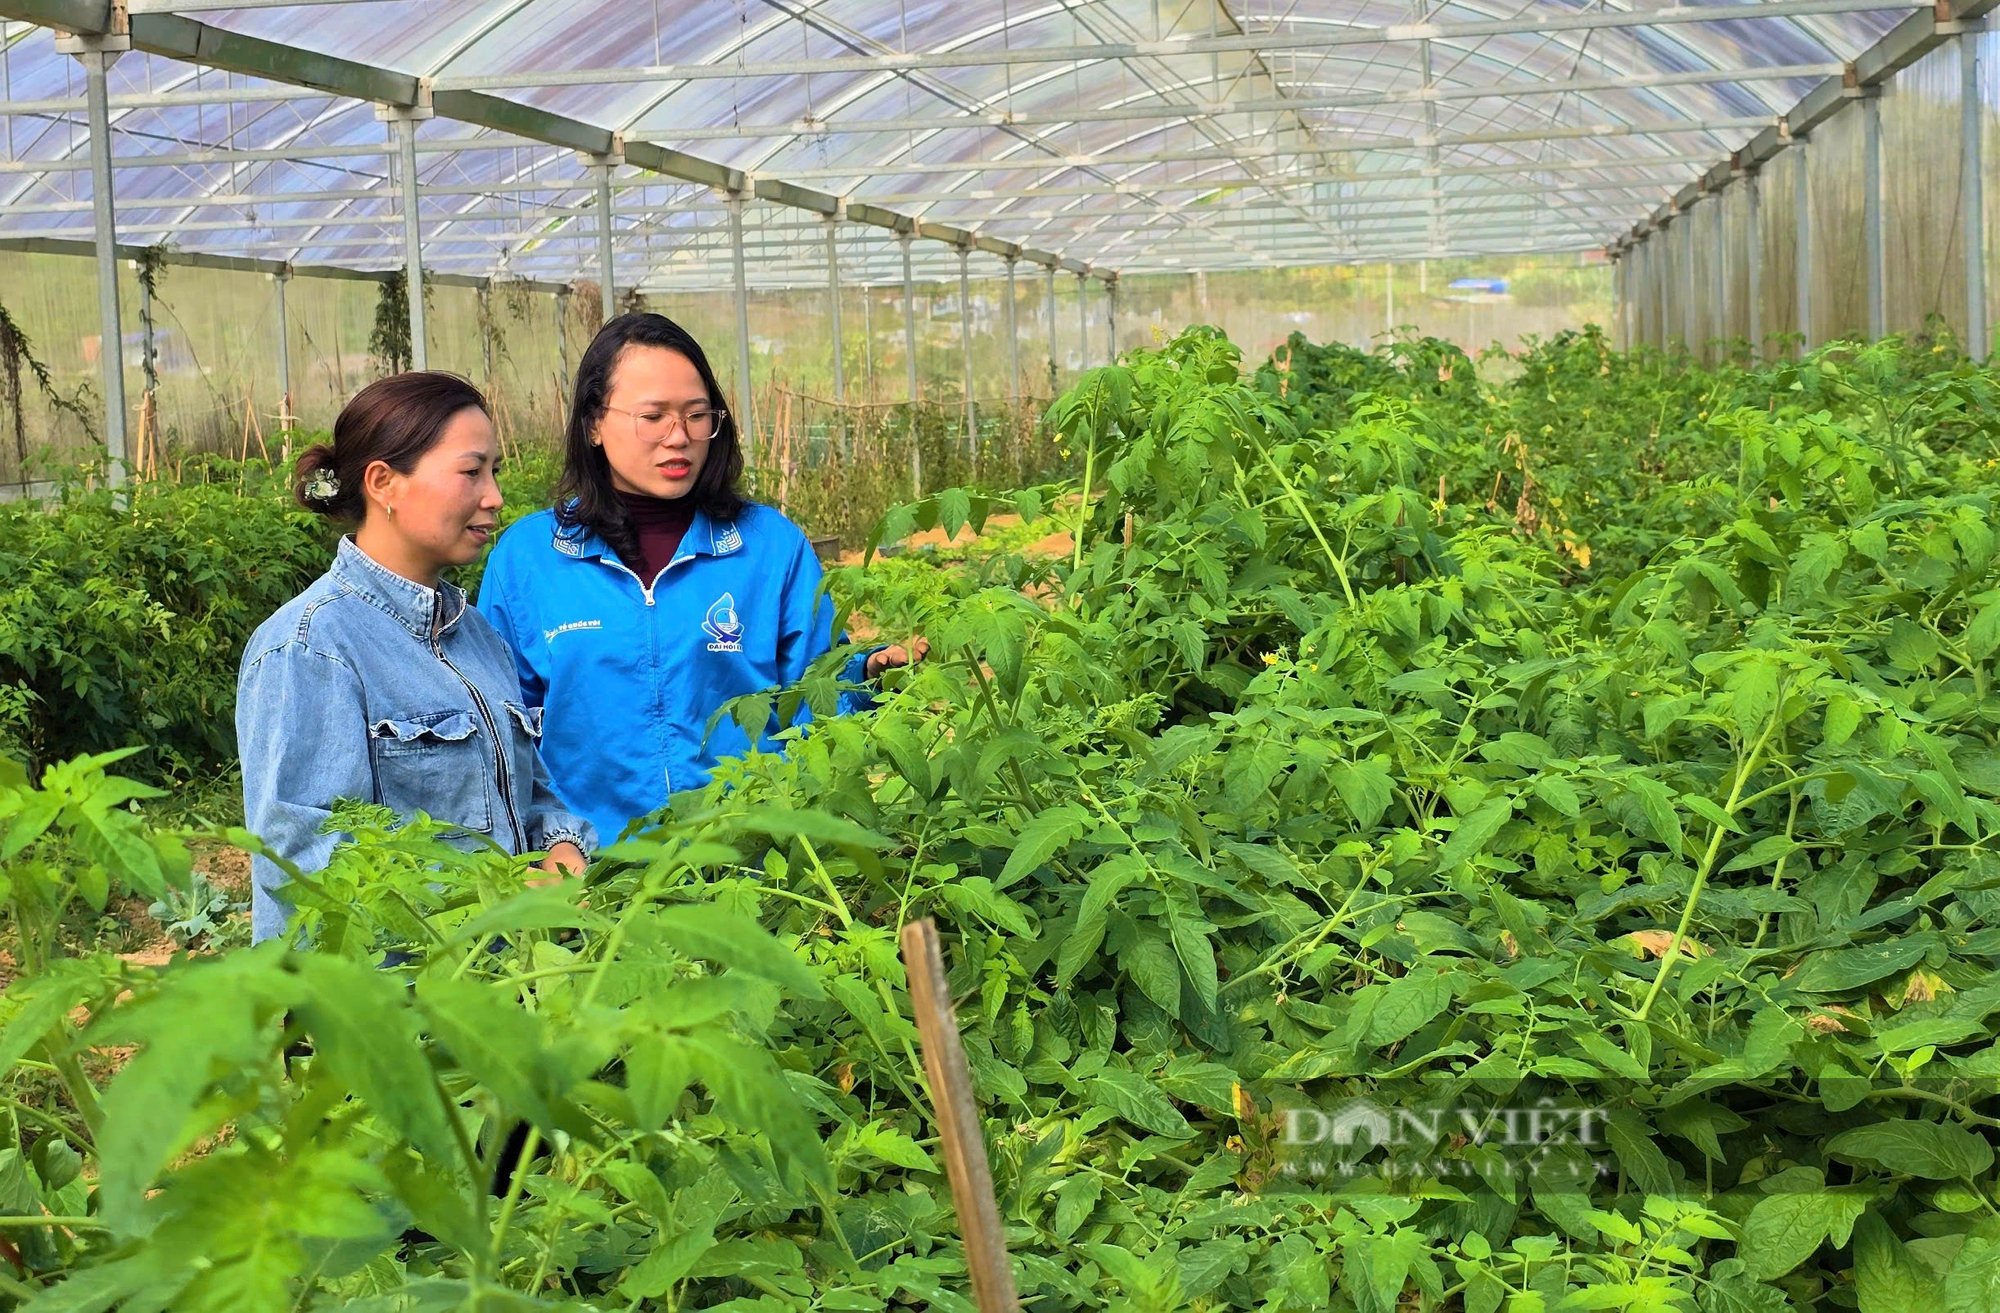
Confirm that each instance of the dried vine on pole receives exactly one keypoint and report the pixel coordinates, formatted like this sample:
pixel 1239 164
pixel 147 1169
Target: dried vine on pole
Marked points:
pixel 15 353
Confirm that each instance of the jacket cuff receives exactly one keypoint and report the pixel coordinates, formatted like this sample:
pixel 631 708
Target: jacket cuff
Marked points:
pixel 569 831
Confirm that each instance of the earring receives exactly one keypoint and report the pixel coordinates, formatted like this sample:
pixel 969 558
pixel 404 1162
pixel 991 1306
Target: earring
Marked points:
pixel 389 510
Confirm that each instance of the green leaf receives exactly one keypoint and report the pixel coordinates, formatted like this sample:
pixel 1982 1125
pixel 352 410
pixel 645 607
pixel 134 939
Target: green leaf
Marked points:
pixel 365 1033
pixel 1516 748
pixel 1041 839
pixel 1101 886
pixel 1137 1100
pixel 1560 794
pixel 1972 1282
pixel 1197 955
pixel 1149 961
pixel 500 1045
pixel 1076 1198
pixel 891 1146
pixel 976 894
pixel 1633 1143
pixel 704 930
pixel 1887 1277
pixel 205 1020
pixel 1657 802
pixel 816 827
pixel 1786 1228
pixel 1472 833
pixel 1378 1266
pixel 1407 1004
pixel 1930 1150
pixel 1364 788
pixel 1839 970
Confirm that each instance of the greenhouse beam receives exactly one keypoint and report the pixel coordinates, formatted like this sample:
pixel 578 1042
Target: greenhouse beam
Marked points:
pixel 1343 34
pixel 1871 213
pixel 1972 202
pixel 745 433
pixel 189 41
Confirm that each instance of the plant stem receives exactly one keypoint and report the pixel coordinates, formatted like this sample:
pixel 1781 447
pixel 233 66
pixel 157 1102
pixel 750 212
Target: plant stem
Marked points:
pixel 513 1199
pixel 1716 831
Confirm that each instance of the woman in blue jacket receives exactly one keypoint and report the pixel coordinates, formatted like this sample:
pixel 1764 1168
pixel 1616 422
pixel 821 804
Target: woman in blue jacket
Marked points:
pixel 378 683
pixel 653 591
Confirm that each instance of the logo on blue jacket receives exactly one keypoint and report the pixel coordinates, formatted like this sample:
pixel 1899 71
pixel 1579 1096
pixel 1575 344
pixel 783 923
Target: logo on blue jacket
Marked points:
pixel 723 625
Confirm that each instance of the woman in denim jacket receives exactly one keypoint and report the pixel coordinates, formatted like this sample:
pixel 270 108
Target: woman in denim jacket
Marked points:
pixel 378 682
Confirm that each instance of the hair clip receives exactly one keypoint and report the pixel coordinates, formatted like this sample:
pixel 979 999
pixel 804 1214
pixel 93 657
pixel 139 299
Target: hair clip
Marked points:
pixel 322 485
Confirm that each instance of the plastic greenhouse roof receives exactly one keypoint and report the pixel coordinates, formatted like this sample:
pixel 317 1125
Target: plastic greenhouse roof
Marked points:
pixel 1118 136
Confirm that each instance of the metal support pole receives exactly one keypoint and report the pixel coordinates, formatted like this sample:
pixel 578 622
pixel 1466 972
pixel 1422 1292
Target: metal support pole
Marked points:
pixel 1013 340
pixel 606 268
pixel 1111 321
pixel 1972 198
pixel 562 347
pixel 1691 306
pixel 413 235
pixel 965 345
pixel 910 363
pixel 1753 261
pixel 96 59
pixel 1617 301
pixel 1083 320
pixel 285 420
pixel 745 432
pixel 909 318
pixel 1390 326
pixel 1054 372
pixel 868 340
pixel 1719 274
pixel 1871 214
pixel 833 305
pixel 1802 246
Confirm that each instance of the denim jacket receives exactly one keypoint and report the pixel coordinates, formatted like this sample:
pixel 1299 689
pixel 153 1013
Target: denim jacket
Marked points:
pixel 372 687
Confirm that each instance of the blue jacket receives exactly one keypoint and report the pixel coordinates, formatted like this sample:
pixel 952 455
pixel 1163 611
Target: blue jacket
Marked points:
pixel 628 674
pixel 346 692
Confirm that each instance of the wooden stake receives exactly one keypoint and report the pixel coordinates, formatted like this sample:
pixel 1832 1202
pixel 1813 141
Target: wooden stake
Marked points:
pixel 958 1123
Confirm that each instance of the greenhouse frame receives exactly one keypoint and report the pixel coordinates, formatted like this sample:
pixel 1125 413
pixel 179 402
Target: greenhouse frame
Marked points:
pixel 1781 172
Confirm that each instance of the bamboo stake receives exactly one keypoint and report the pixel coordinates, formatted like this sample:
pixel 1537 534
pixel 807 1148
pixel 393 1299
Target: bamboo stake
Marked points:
pixel 959 1135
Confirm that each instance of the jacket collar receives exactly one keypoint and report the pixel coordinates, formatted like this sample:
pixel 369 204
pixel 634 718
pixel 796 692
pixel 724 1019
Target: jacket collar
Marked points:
pixel 410 604
pixel 705 537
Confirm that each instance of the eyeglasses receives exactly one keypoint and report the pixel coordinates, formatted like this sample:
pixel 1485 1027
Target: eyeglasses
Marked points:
pixel 654 425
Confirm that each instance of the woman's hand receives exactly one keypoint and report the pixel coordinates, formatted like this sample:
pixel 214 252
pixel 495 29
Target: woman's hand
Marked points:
pixel 564 860
pixel 896 656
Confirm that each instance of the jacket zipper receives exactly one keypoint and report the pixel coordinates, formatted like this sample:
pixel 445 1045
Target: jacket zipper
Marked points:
pixel 493 735
pixel 647 592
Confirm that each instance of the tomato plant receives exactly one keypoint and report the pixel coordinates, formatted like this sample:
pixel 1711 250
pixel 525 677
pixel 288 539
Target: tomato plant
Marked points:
pixel 1367 888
